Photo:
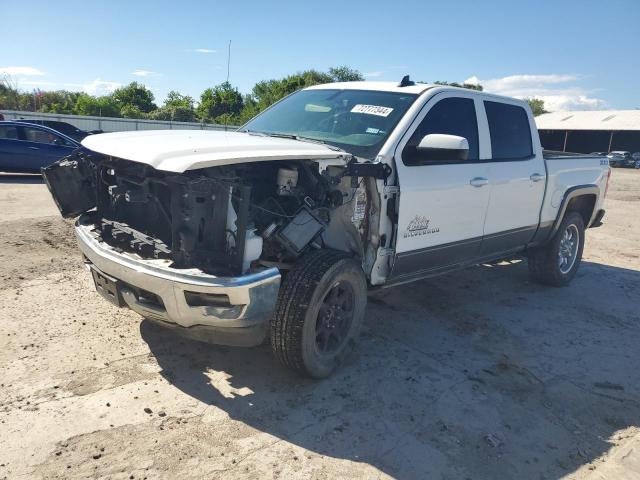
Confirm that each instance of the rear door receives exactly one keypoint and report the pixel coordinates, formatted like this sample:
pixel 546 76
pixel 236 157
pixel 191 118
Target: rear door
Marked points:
pixel 517 176
pixel 442 203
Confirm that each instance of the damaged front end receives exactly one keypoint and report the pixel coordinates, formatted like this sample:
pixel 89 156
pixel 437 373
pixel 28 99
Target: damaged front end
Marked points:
pixel 223 220
pixel 205 249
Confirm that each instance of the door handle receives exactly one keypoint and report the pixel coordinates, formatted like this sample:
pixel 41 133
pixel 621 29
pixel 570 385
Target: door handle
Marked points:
pixel 536 177
pixel 479 181
pixel 33 148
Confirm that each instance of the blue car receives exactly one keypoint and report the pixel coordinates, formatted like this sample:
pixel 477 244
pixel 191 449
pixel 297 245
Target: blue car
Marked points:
pixel 27 148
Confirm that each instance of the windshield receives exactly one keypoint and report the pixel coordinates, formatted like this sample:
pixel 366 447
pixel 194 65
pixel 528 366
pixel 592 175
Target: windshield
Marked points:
pixel 358 121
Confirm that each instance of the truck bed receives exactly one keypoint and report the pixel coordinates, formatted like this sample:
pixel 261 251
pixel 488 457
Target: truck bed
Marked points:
pixel 555 155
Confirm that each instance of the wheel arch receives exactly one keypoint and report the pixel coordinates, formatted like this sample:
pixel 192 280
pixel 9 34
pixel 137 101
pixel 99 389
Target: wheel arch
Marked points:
pixel 581 199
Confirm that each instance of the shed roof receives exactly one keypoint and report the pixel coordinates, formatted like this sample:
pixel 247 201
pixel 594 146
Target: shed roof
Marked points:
pixel 590 120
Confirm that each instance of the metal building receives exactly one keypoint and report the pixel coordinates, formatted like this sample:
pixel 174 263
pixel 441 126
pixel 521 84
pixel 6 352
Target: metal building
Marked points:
pixel 590 131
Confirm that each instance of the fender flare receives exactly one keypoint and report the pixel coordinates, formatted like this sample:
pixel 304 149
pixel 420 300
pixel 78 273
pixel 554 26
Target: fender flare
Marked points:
pixel 570 194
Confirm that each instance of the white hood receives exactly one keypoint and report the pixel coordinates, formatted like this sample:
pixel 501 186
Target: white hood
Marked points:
pixel 181 150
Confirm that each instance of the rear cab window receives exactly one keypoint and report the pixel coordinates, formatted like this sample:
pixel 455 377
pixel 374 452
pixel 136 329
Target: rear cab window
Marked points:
pixel 509 130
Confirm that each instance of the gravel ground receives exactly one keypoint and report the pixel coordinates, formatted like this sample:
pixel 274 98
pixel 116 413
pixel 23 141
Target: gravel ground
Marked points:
pixel 477 374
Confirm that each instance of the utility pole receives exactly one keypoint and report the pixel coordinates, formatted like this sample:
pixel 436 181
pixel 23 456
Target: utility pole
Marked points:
pixel 228 60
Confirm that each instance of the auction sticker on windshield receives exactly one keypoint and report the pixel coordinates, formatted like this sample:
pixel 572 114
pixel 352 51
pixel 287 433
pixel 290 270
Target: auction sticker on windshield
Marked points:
pixel 372 110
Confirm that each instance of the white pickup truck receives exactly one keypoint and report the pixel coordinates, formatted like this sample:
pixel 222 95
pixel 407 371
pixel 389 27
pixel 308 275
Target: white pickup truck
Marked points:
pixel 277 230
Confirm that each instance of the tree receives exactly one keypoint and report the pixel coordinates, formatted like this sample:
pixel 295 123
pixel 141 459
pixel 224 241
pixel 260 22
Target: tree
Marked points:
pixel 345 74
pixel 174 113
pixel 97 106
pixel 176 99
pixel 470 86
pixel 131 111
pixel 176 107
pixel 59 101
pixel 9 94
pixel 537 106
pixel 223 99
pixel 267 92
pixel 134 95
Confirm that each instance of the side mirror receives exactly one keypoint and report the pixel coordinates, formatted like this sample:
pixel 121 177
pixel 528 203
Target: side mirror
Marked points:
pixel 441 147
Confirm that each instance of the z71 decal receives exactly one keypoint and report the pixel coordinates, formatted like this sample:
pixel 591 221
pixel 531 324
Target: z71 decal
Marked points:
pixel 419 226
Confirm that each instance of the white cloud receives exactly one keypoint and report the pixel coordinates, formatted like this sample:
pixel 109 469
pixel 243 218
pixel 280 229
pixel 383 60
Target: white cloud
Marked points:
pixel 97 87
pixel 34 83
pixel 144 73
pixel 373 74
pixel 558 91
pixel 203 50
pixel 28 71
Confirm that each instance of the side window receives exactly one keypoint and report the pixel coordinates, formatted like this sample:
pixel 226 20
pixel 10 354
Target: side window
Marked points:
pixel 451 116
pixel 510 131
pixel 8 132
pixel 40 136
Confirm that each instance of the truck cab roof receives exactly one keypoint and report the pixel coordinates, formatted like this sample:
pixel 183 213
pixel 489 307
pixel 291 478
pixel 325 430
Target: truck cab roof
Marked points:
pixel 416 88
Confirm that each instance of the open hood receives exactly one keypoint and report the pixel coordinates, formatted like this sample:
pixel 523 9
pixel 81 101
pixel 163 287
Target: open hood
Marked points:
pixel 181 150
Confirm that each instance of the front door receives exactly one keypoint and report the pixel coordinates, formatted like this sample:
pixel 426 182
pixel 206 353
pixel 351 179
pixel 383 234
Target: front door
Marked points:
pixel 12 153
pixel 442 203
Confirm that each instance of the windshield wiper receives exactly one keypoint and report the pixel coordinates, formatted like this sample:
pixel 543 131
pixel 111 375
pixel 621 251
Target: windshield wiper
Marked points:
pixel 291 136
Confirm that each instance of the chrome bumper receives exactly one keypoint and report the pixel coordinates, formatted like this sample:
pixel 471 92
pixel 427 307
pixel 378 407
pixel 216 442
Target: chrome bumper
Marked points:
pixel 240 319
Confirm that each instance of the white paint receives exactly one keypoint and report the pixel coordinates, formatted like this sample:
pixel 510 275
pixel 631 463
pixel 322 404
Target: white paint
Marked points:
pixel 182 150
pixel 444 142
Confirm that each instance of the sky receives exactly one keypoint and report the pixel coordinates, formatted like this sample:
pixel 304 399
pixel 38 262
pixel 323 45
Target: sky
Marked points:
pixel 572 54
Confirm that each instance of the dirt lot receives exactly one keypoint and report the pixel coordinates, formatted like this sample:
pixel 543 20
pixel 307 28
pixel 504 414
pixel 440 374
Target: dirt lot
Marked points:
pixel 478 374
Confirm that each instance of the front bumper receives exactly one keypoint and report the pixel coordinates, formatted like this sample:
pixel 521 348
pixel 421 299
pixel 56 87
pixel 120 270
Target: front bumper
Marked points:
pixel 226 310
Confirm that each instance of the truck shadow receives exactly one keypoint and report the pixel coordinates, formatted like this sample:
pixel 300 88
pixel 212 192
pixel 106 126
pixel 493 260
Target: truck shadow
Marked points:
pixel 478 374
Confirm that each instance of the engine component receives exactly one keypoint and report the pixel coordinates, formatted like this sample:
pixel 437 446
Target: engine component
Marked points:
pixel 287 181
pixel 252 249
pixel 267 232
pixel 300 231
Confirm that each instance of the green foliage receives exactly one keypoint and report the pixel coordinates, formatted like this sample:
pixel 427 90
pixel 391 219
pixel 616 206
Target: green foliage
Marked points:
pixel 173 113
pixel 176 99
pixel 9 95
pixel 176 108
pixel 345 74
pixel 220 104
pixel 134 96
pixel 267 92
pixel 537 106
pixel 97 106
pixel 131 111
pixel 220 100
pixel 470 86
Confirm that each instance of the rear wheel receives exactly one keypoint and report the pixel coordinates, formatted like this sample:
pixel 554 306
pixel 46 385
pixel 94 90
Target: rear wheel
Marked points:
pixel 557 262
pixel 319 313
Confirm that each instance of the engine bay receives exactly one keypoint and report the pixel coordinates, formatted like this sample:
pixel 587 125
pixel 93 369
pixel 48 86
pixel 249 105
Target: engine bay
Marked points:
pixel 225 220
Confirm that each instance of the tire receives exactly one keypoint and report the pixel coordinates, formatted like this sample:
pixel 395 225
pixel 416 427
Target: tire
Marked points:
pixel 319 313
pixel 545 263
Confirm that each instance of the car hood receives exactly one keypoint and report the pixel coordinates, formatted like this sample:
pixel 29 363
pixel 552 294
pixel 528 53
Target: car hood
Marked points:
pixel 181 150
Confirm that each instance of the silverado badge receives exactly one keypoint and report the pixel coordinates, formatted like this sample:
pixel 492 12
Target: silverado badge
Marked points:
pixel 419 226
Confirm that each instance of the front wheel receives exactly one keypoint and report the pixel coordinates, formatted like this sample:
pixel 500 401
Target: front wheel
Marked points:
pixel 557 262
pixel 319 313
